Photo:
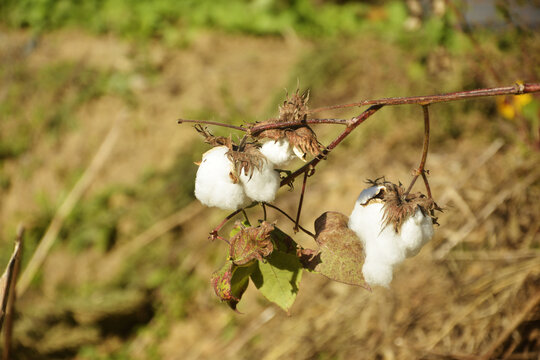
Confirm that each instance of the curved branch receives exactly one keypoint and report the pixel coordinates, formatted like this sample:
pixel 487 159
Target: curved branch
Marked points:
pixel 352 124
pixel 516 89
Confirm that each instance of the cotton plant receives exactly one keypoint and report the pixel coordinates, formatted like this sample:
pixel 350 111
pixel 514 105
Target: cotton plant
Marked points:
pixel 389 223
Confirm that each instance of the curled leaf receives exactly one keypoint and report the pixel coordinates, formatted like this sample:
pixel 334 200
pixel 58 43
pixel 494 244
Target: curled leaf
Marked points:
pixel 251 244
pixel 341 254
pixel 230 282
pixel 221 281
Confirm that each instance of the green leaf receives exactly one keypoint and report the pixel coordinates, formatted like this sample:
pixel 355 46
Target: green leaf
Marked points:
pixel 278 278
pixel 283 242
pixel 251 244
pixel 341 254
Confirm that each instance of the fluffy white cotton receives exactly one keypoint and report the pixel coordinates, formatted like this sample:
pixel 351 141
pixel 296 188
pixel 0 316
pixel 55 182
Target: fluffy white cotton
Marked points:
pixel 380 242
pixel 214 186
pixel 416 231
pixel 278 152
pixel 384 247
pixel 263 184
pixel 377 273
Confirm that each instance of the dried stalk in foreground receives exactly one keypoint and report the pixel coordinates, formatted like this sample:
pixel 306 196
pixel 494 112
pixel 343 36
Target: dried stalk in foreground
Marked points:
pixel 7 280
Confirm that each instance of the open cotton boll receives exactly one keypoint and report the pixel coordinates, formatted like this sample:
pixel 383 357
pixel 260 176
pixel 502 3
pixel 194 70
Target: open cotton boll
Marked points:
pixel 214 186
pixel 278 152
pixel 416 231
pixel 263 184
pixel 382 244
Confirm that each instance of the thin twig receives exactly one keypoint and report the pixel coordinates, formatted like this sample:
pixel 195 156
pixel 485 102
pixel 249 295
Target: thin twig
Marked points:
pixel 425 147
pixel 12 296
pixel 65 209
pixel 290 218
pixel 206 122
pixel 264 211
pixel 258 128
pixel 8 278
pixel 301 202
pixel 516 89
pixel 214 234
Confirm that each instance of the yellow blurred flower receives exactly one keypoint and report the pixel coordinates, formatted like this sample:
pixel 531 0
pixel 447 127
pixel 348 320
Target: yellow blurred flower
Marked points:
pixel 510 105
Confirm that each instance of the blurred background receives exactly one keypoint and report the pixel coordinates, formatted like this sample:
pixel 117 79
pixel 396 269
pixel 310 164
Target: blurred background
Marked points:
pixel 89 96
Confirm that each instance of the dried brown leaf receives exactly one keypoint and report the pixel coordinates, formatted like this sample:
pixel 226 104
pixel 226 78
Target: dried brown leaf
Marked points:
pixel 341 254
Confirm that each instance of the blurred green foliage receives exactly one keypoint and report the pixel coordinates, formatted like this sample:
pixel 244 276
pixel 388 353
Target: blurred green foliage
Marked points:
pixel 168 19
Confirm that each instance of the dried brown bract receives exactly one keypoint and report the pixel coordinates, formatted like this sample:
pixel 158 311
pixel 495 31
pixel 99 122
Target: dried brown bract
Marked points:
pixel 304 139
pixel 294 108
pixel 399 206
pixel 214 140
pixel 294 111
pixel 246 161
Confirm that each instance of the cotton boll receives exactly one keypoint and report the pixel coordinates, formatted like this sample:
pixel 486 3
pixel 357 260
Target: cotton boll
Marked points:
pixel 382 244
pixel 380 241
pixel 416 231
pixel 377 273
pixel 278 152
pixel 214 186
pixel 263 184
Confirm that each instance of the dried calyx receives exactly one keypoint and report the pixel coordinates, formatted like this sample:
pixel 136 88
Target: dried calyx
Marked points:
pixel 246 157
pixel 300 136
pixel 399 206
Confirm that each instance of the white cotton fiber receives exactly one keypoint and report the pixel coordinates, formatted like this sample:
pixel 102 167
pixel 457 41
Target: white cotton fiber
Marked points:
pixel 278 152
pixel 416 231
pixel 263 184
pixel 213 184
pixel 380 242
pixel 377 273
